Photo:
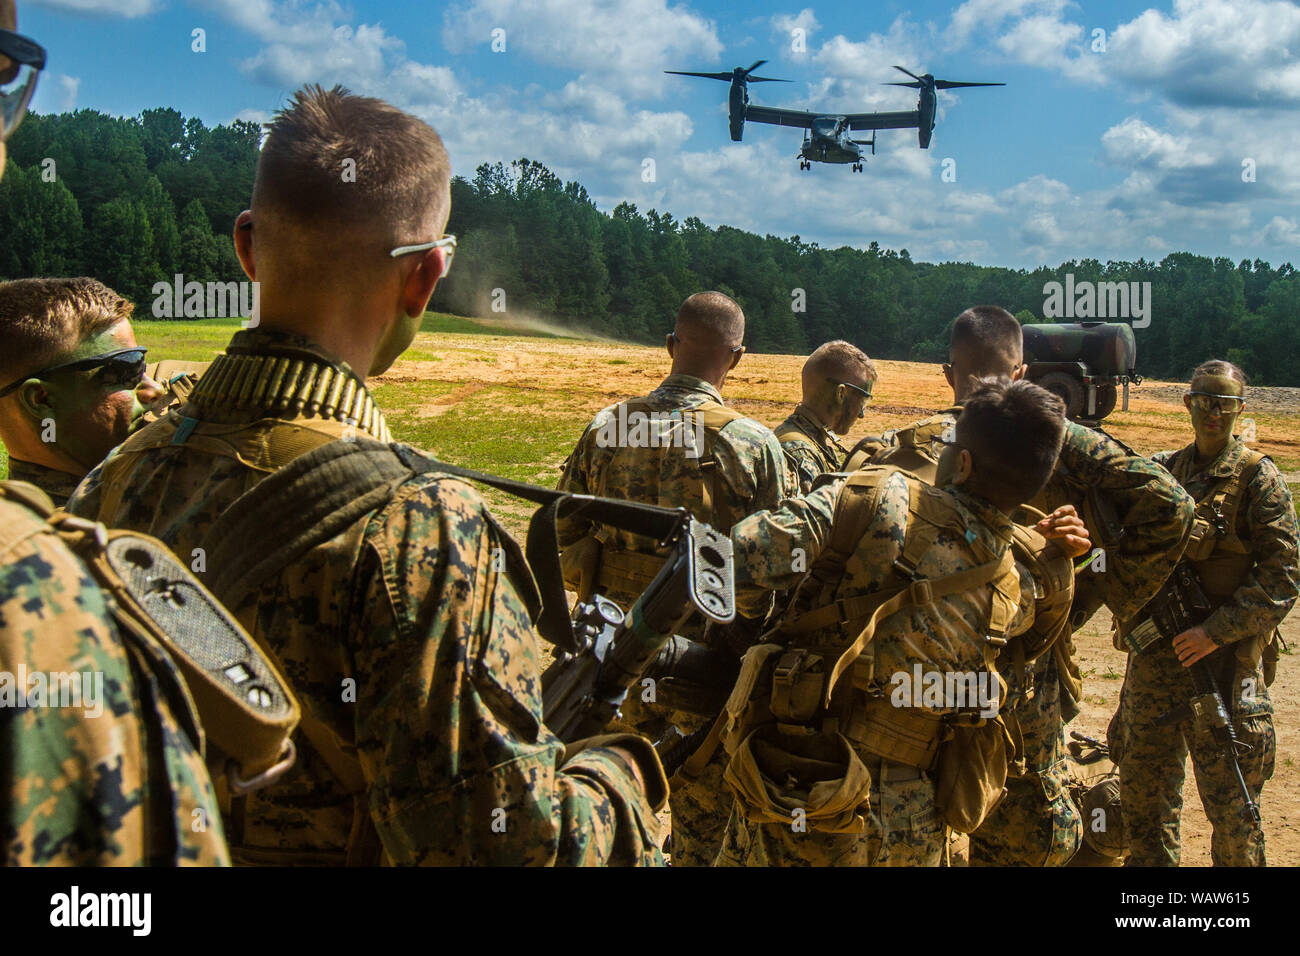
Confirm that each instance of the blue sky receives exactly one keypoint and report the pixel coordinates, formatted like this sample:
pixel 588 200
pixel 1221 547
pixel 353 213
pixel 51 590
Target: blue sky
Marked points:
pixel 1133 150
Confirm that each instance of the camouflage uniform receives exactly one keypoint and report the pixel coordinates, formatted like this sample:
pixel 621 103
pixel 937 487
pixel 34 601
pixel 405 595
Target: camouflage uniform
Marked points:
pixel 811 447
pixel 904 827
pixel 59 485
pixel 410 651
pixel 749 475
pixel 1152 759
pixel 125 788
pixel 1037 823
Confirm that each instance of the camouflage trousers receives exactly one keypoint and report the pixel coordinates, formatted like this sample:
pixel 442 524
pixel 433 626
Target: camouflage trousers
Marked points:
pixel 903 829
pixel 1153 759
pixel 1037 822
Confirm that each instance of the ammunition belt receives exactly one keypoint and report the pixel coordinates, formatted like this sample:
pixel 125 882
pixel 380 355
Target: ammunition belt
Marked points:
pixel 282 386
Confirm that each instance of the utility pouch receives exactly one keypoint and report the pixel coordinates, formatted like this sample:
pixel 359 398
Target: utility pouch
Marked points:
pixel 797 684
pixel 972 772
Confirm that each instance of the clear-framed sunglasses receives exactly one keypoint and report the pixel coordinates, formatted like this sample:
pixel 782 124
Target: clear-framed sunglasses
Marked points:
pixel 21 61
pixel 446 243
pixel 1211 403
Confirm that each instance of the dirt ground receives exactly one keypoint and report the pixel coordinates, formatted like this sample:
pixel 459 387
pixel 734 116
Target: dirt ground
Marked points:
pixel 572 380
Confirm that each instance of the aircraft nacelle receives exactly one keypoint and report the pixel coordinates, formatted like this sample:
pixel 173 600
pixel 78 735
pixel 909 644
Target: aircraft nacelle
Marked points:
pixel 926 108
pixel 736 103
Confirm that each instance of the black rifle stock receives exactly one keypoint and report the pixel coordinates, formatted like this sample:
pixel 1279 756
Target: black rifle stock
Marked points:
pixel 1182 604
pixel 583 691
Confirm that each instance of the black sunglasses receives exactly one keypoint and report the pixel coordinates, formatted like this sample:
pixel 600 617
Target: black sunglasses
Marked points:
pixel 18 80
pixel 677 338
pixel 865 393
pixel 124 368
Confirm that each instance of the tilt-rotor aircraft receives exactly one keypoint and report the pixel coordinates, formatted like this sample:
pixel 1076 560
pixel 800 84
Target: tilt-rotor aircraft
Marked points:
pixel 827 139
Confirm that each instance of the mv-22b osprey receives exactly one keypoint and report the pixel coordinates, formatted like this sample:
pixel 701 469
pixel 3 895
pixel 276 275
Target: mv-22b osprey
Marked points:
pixel 827 139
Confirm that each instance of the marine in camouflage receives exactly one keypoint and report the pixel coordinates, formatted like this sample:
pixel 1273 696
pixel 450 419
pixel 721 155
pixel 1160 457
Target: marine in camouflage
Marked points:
pixel 122 783
pixel 1152 759
pixel 811 447
pixel 749 475
pixel 403 636
pixel 1114 490
pixel 904 827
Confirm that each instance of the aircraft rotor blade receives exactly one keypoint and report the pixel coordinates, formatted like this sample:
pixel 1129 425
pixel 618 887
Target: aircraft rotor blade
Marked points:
pixel 767 79
pixel 756 65
pixel 908 72
pixel 915 86
pixel 707 76
pixel 952 84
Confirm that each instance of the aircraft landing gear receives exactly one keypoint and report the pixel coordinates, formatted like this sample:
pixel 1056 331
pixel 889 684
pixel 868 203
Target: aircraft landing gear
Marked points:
pixel 857 167
pixel 804 164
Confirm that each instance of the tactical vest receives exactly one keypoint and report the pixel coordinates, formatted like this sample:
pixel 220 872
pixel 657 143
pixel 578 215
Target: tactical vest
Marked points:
pixel 595 564
pixel 788 431
pixel 910 448
pixel 1048 575
pixel 286 385
pixel 232 695
pixel 790 714
pixel 1221 559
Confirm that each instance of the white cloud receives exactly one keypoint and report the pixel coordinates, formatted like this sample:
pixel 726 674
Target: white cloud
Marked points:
pixel 68 87
pixel 99 8
pixel 1213 52
pixel 1134 143
pixel 784 24
pixel 1282 232
pixel 626 44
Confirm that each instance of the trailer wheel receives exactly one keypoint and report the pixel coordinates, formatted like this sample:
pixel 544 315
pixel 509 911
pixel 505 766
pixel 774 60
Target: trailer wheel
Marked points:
pixel 1069 389
pixel 1107 399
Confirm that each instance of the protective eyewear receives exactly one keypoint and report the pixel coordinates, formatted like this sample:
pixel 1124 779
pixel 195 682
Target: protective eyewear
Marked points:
pixel 1210 403
pixel 123 368
pixel 26 59
pixel 446 243
pixel 864 392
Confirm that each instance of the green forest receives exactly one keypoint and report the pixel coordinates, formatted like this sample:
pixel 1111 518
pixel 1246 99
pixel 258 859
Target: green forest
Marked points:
pixel 134 201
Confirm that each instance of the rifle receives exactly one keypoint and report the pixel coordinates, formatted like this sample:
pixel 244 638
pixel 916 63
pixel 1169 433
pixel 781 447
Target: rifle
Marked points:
pixel 1180 604
pixel 584 688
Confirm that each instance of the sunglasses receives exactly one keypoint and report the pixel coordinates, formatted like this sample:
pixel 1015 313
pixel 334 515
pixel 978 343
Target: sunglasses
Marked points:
pixel 677 338
pixel 123 368
pixel 864 392
pixel 1210 403
pixel 17 78
pixel 446 243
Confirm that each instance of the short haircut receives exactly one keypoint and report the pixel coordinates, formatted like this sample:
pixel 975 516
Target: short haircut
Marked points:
pixel 1013 432
pixel 335 161
pixel 1220 367
pixel 988 341
pixel 838 360
pixel 711 318
pixel 42 320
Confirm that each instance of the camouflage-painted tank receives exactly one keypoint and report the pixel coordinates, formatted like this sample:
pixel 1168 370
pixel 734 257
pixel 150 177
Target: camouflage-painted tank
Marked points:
pixel 1086 363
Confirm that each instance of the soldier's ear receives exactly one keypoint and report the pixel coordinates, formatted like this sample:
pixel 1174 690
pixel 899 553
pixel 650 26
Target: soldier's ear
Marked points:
pixel 1019 373
pixel 735 359
pixel 36 401
pixel 670 341
pixel 243 236
pixel 965 467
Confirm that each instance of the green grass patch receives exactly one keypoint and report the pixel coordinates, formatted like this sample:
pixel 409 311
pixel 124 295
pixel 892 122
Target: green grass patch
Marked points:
pixel 191 340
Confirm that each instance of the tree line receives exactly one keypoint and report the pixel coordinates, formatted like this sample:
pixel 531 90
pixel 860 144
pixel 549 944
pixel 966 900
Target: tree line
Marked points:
pixel 135 200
